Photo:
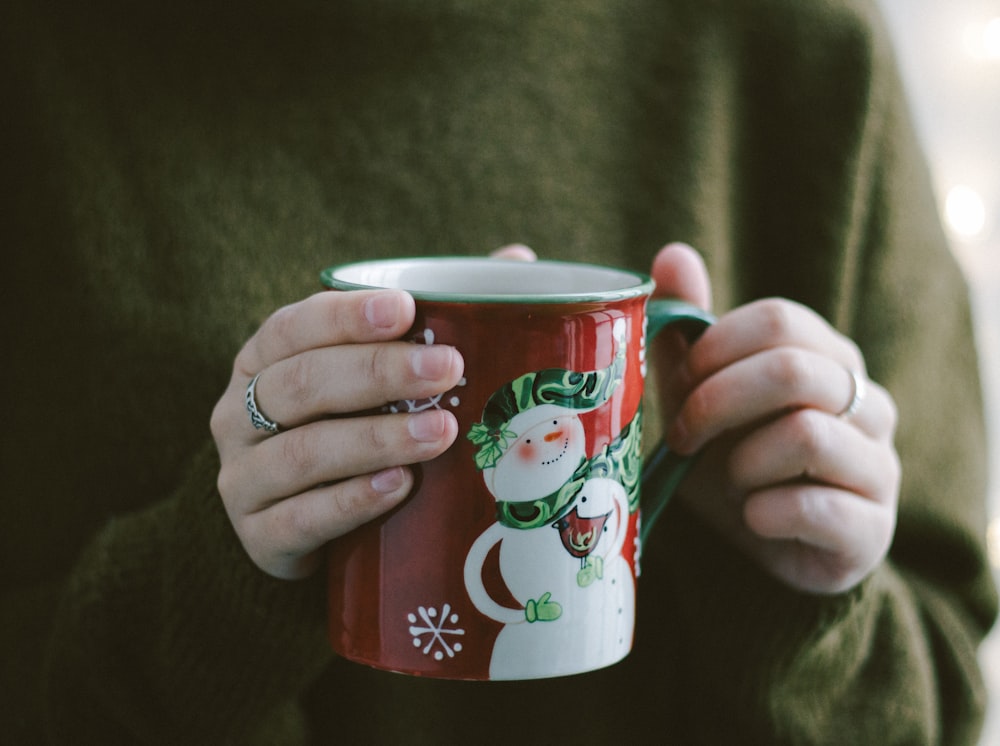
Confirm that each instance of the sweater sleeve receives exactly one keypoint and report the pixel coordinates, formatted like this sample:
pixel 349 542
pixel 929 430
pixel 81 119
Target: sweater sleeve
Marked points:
pixel 166 633
pixel 895 660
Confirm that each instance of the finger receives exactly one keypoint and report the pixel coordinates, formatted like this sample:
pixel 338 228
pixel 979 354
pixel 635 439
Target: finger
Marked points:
pixel 812 445
pixel 825 539
pixel 766 325
pixel 353 378
pixel 516 251
pixel 284 538
pixel 327 319
pixel 332 450
pixel 875 413
pixel 763 385
pixel 679 272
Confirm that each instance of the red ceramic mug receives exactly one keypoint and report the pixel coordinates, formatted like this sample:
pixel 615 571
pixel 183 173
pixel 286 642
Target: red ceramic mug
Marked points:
pixel 515 557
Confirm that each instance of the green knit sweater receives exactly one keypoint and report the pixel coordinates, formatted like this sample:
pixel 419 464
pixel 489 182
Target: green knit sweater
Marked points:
pixel 173 172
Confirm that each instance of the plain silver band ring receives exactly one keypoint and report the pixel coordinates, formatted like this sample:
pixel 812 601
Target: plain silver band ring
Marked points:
pixel 857 394
pixel 257 418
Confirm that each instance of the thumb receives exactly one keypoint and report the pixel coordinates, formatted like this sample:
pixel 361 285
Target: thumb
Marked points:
pixel 679 272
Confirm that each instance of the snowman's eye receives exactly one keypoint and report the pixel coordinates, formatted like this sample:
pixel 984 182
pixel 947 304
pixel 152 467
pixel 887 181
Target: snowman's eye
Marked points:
pixel 527 441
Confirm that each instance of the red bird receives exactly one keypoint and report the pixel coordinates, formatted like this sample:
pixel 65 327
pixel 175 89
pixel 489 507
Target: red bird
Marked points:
pixel 580 535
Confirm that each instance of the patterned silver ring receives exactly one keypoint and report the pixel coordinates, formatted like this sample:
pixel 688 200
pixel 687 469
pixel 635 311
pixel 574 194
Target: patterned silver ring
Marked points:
pixel 258 419
pixel 858 391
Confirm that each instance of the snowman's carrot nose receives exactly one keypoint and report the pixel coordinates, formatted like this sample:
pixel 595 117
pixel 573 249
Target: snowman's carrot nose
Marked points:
pixel 554 435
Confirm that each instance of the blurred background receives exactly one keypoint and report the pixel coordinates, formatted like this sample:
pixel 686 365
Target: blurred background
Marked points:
pixel 949 53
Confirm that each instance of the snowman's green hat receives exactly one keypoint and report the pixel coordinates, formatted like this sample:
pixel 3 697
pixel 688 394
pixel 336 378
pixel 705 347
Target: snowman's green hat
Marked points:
pixel 512 409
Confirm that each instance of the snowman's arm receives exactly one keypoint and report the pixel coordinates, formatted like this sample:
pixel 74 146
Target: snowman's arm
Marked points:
pixel 474 562
pixel 621 507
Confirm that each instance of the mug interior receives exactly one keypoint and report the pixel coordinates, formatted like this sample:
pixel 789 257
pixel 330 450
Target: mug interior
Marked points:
pixel 479 279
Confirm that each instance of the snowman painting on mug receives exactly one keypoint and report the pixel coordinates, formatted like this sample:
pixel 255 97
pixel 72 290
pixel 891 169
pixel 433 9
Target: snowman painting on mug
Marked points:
pixel 562 518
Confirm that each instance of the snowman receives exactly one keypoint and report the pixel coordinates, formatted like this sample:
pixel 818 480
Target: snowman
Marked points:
pixel 562 520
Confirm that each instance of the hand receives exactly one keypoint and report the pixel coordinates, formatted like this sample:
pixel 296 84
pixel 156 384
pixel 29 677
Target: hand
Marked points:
pixel 324 364
pixel 811 495
pixel 542 610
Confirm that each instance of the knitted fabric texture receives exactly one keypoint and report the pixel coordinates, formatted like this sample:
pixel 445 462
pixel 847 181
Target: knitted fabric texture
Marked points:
pixel 175 172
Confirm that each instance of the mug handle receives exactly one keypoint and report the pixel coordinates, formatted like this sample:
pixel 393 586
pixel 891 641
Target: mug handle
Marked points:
pixel 665 470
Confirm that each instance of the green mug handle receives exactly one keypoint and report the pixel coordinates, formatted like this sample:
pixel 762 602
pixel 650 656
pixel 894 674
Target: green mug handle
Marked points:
pixel 665 470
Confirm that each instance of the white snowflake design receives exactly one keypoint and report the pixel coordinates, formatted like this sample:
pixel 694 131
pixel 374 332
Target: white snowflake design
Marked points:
pixel 436 627
pixel 438 401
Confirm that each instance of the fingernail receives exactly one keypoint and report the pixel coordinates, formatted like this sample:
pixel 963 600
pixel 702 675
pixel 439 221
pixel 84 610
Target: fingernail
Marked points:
pixel 431 362
pixel 426 426
pixel 388 480
pixel 382 310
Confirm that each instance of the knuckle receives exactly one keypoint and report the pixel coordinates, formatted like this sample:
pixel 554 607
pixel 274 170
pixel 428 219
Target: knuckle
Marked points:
pixel 805 507
pixel 216 423
pixel 377 367
pixel 256 538
pixel 302 531
pixel 776 317
pixel 225 417
pixel 334 310
pixel 252 535
pixel 342 313
pixel 811 432
pixel 280 539
pixel 791 369
pixel 372 437
pixel 245 363
pixel 350 505
pixel 282 323
pixel 235 486
pixel 225 483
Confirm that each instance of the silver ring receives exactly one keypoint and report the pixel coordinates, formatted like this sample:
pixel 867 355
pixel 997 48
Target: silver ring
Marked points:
pixel 257 418
pixel 857 394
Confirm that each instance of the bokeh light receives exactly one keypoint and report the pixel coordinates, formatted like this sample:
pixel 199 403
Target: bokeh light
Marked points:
pixel 965 212
pixel 982 39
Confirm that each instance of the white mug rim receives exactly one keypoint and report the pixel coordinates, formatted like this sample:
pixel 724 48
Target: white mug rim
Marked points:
pixel 364 275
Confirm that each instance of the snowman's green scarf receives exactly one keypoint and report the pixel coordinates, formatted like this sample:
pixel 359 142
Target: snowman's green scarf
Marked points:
pixel 620 460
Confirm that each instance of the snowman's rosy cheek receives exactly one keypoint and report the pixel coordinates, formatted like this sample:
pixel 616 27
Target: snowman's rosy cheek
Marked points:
pixel 527 452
